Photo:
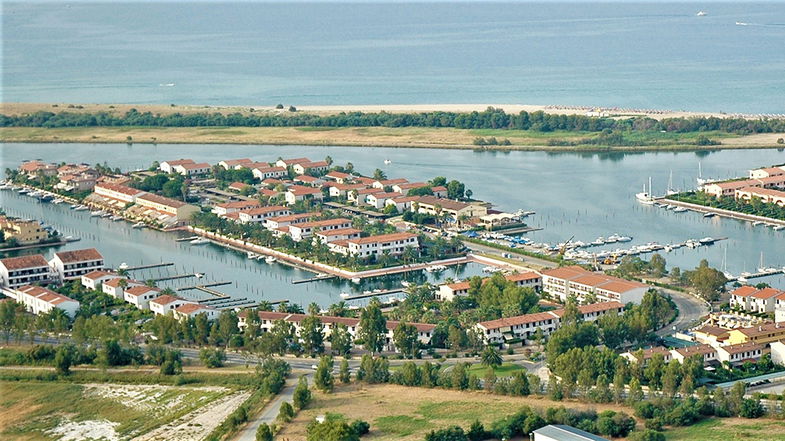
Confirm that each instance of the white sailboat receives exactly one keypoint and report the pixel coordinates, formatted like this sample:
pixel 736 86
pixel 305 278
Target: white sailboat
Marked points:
pixel 725 264
pixel 702 13
pixel 670 190
pixel 645 197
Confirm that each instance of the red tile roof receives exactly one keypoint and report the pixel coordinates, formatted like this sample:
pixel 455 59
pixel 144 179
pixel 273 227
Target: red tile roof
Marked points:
pixel 166 299
pixel 79 255
pixel 23 262
pixel 169 202
pixel 140 290
pixel 382 238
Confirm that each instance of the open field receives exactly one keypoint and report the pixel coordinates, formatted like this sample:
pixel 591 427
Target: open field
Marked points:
pixel 729 429
pixel 422 137
pixel 32 410
pixel 417 137
pixel 408 413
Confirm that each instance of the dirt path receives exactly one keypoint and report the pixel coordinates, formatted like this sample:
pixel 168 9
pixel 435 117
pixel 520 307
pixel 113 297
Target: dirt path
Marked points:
pixel 198 424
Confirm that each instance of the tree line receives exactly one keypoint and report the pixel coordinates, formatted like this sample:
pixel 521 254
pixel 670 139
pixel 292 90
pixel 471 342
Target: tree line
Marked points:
pixel 490 118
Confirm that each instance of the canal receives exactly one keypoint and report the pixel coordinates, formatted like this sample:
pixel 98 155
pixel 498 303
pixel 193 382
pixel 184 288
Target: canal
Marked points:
pixel 585 195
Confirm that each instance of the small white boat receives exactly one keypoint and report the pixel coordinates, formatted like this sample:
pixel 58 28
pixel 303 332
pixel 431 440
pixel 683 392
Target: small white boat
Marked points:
pixel 96 213
pixel 741 23
pixel 345 295
pixel 199 275
pixel 123 265
pixel 405 283
pixel 270 259
pixel 709 214
pixel 387 161
pixel 80 208
pixel 252 255
pixel 117 218
pixel 138 225
pixel 74 206
pixel 106 215
pixel 679 210
pixel 756 223
pixel 778 227
pixel 702 13
pixel 356 280
pixel 199 241
pixel 58 201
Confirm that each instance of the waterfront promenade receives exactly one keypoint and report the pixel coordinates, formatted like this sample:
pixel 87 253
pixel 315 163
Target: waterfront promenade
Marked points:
pixel 725 213
pixel 322 268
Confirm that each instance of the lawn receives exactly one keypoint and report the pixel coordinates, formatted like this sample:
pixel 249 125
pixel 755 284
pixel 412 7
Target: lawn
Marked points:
pixel 505 370
pixel 408 413
pixel 729 429
pixel 52 410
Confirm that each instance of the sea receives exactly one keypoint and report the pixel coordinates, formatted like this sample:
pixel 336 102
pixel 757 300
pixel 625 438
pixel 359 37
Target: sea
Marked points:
pixel 645 55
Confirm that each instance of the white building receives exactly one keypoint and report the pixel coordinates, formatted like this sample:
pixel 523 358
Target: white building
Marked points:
pixel 326 236
pixel 231 207
pixel 39 300
pixel 306 229
pixel 141 295
pixel 576 281
pixel 119 192
pixel 268 172
pixel 561 432
pixel 165 304
pixel 24 270
pixel 260 214
pixel 318 167
pixel 187 170
pixel 707 353
pixel 378 200
pixel 274 223
pixel 235 164
pixel 94 279
pixel 191 310
pixel 70 265
pixel 375 246
pixel 168 166
pixel 297 193
pixel 739 353
pixel 114 287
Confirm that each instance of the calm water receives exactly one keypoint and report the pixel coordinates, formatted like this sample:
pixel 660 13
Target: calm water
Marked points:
pixel 646 55
pixel 586 195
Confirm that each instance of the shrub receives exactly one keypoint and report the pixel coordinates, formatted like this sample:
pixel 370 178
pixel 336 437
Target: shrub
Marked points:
pixel 286 412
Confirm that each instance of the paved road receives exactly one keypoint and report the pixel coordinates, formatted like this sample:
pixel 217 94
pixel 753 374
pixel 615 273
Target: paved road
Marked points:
pixel 525 260
pixel 691 309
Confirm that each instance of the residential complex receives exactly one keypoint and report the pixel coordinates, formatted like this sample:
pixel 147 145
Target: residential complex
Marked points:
pixel 40 300
pixel 22 231
pixel 581 283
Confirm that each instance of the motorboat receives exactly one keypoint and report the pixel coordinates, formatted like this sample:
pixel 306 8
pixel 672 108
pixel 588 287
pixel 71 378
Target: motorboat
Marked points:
pixel 270 259
pixel 80 208
pixel 106 214
pixel 707 241
pixel 96 213
pixel 702 13
pixel 356 280
pixel 645 197
pixel 679 210
pixel 709 214
pixel 252 255
pixel 778 227
pixel 199 241
pixel 345 295
pixel 405 283
pixel 138 225
pixel 387 162
pixel 58 201
pixel 117 218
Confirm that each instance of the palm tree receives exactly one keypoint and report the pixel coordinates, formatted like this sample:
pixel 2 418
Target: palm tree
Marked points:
pixel 490 357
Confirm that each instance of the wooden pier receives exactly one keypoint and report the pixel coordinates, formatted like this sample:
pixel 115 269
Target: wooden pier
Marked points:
pixel 366 295
pixel 314 279
pixel 205 285
pixel 175 277
pixel 152 265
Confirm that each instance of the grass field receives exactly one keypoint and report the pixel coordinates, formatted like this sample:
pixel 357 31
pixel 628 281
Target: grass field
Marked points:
pixel 505 370
pixel 50 410
pixel 416 137
pixel 730 429
pixel 408 413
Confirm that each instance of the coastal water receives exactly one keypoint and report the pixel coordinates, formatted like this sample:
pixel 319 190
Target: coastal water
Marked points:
pixel 581 195
pixel 627 54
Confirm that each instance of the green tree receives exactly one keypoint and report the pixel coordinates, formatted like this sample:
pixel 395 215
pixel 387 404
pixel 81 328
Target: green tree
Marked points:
pixel 405 339
pixel 286 412
pixel 344 375
pixel 491 357
pixel 340 339
pixel 264 433
pixel 302 395
pixel 373 327
pixel 64 359
pixel 312 335
pixel 323 378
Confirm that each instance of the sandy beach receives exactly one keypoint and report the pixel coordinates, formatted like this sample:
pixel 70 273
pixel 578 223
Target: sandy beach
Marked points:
pixel 23 108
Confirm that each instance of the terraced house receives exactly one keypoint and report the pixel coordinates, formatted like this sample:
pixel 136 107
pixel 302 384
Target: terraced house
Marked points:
pixel 24 270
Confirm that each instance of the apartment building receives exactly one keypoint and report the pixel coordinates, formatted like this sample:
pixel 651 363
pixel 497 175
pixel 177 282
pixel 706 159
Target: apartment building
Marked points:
pixel 23 231
pixel 375 246
pixel 163 305
pixel 119 192
pixel 576 281
pixel 231 207
pixel 24 270
pixel 260 214
pixel 71 265
pixel 39 300
pixel 140 296
pixel 94 279
pixel 307 229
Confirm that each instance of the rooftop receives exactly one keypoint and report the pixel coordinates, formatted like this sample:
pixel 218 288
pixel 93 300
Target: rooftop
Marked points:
pixel 382 238
pixel 169 202
pixel 23 262
pixel 79 255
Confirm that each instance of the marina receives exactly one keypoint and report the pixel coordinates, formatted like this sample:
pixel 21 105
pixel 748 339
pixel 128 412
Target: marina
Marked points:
pixel 490 176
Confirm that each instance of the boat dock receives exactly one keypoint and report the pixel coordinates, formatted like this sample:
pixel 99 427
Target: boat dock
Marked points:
pixel 748 276
pixel 175 277
pixel 724 213
pixel 314 279
pixel 204 285
pixel 366 295
pixel 152 265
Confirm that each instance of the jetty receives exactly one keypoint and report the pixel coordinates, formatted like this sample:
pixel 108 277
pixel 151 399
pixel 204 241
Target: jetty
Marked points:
pixel 175 277
pixel 367 295
pixel 314 279
pixel 143 267
pixel 204 285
